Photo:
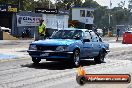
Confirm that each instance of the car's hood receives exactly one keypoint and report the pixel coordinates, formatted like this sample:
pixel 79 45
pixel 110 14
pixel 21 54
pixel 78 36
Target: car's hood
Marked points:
pixel 55 42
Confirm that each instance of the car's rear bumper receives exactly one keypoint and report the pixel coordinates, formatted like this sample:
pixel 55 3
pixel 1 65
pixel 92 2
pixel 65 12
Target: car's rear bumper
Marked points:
pixel 50 54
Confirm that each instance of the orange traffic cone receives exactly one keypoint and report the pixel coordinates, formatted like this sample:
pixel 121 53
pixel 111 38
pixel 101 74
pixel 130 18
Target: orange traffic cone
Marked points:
pixel 81 71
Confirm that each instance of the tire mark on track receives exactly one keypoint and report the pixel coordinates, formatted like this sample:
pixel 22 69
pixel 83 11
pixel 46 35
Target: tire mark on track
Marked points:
pixel 49 77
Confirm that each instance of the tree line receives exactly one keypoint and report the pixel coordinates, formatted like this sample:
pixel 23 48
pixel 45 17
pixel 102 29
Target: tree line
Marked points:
pixel 118 15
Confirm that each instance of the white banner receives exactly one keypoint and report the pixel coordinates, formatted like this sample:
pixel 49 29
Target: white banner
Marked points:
pixel 56 22
pixel 28 20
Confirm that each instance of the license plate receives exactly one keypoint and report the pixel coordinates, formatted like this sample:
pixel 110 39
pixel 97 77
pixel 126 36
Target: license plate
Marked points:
pixel 45 54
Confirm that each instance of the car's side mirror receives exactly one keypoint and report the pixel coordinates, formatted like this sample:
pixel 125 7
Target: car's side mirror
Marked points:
pixel 86 40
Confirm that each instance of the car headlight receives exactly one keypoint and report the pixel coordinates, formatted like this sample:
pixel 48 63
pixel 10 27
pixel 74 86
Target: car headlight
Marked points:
pixel 62 48
pixel 32 47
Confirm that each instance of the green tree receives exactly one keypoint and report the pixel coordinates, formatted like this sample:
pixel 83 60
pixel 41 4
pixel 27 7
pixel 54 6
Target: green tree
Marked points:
pixel 121 4
pixel 130 5
pixel 90 4
pixel 67 4
pixel 44 4
pixel 101 17
pixel 23 4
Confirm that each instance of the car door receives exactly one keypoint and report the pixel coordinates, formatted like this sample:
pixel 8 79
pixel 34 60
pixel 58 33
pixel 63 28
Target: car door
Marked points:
pixel 87 45
pixel 96 43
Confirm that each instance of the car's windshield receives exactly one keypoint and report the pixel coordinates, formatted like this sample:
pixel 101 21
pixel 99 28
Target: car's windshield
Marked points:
pixel 67 34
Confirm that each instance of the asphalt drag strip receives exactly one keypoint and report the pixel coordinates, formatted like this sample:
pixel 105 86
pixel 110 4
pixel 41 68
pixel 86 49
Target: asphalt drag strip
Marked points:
pixel 23 74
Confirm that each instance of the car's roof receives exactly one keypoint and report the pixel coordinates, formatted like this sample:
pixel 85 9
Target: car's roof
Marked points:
pixel 76 29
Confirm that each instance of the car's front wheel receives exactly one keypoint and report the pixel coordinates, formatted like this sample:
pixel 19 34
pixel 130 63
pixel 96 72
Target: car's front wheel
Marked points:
pixel 36 60
pixel 100 57
pixel 76 58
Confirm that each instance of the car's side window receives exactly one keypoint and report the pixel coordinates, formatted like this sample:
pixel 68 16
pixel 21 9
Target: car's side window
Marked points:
pixel 95 38
pixel 78 33
pixel 100 39
pixel 87 35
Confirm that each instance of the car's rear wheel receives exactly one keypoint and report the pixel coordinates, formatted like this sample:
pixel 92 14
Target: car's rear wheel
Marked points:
pixel 36 60
pixel 76 58
pixel 100 57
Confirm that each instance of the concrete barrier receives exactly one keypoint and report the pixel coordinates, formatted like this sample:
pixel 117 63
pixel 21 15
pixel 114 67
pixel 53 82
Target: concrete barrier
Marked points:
pixel 1 35
pixel 7 36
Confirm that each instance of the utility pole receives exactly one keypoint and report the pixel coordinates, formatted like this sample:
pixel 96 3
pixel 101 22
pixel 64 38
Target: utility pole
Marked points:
pixel 19 4
pixel 55 4
pixel 110 13
pixel 109 17
pixel 49 4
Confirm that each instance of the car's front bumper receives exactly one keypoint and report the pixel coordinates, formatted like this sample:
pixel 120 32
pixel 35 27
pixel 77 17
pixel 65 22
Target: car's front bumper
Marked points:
pixel 50 54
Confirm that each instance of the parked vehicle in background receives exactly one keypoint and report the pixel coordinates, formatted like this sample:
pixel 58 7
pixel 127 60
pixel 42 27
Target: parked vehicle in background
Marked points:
pixel 6 29
pixel 127 37
pixel 69 45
